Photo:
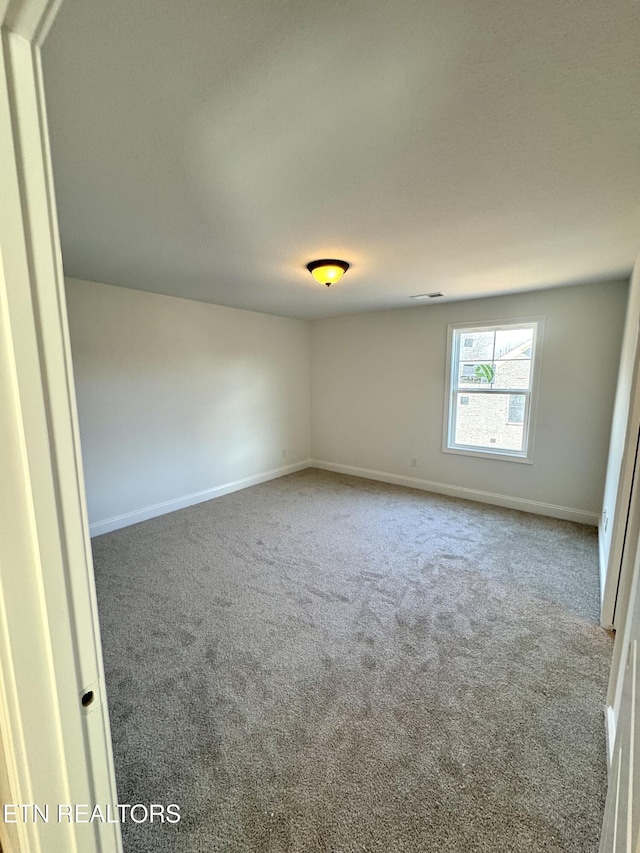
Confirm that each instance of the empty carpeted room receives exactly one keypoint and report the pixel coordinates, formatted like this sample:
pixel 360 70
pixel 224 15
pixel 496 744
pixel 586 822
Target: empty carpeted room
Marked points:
pixel 325 660
pixel 320 524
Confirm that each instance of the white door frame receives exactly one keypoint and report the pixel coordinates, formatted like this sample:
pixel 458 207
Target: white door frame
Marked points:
pixel 625 528
pixel 627 580
pixel 53 749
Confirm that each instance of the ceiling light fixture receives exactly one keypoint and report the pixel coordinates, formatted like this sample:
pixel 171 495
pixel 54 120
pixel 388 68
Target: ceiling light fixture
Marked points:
pixel 327 271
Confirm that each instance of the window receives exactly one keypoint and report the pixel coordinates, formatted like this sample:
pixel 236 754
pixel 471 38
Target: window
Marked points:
pixel 491 389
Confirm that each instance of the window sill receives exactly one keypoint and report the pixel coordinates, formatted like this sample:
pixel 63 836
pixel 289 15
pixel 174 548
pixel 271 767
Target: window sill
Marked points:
pixel 497 455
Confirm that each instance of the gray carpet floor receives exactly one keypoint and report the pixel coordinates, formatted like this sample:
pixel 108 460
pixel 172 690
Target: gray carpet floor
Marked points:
pixel 331 665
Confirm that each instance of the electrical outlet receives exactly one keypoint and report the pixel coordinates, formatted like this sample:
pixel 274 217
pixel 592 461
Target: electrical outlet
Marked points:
pixel 414 462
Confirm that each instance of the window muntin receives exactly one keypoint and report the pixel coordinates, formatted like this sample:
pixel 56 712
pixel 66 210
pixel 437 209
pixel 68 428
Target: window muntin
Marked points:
pixel 490 389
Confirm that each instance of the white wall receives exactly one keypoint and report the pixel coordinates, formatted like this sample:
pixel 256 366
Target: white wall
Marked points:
pixel 177 397
pixel 180 400
pixel 378 393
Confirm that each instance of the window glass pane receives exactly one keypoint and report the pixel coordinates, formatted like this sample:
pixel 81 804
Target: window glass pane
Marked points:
pixel 476 346
pixel 516 408
pixel 472 374
pixel 514 343
pixel 512 374
pixel 483 421
pixel 494 374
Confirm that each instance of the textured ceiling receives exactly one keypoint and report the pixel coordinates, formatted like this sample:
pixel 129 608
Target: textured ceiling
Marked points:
pixel 209 150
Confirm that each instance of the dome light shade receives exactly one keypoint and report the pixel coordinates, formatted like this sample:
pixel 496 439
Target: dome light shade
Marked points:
pixel 327 271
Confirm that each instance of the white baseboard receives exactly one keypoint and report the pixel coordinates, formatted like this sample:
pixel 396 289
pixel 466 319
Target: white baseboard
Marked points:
pixel 537 507
pixel 148 512
pixel 128 518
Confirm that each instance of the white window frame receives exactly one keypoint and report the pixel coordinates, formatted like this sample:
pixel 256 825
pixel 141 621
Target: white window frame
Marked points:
pixel 531 395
